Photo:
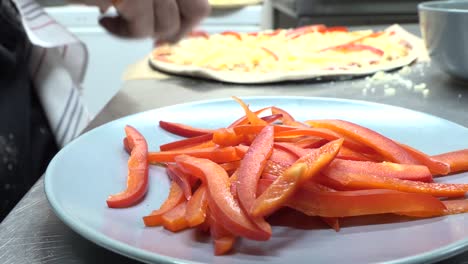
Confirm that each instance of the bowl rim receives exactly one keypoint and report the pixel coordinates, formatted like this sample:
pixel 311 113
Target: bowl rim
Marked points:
pixel 435 6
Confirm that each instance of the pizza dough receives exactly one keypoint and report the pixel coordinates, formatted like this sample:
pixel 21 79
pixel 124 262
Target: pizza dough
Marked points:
pixel 285 54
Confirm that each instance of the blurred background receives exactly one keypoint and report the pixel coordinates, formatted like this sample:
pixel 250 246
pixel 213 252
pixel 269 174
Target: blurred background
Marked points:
pixel 110 56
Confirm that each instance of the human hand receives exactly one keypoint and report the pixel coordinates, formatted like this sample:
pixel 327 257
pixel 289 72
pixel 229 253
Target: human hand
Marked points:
pixel 164 20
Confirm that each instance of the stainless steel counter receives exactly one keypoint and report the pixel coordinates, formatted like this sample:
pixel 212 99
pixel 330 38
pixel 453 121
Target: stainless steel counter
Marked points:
pixel 33 234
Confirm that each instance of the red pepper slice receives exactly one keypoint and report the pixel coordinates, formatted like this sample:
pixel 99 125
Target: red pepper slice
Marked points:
pixel 304 169
pixel 232 33
pixel 251 169
pixel 199 34
pixel 365 202
pixel 359 181
pixel 183 130
pixel 256 129
pixel 436 167
pixel 176 196
pixel 381 144
pixel 327 134
pixel 335 29
pixel 174 219
pixel 271 53
pixel 227 137
pixel 220 200
pixel 183 180
pixel 288 119
pixel 349 154
pixel 251 116
pixel 187 142
pixel 137 179
pixel 196 207
pixel 458 160
pixel 351 47
pixel 300 31
pixel 385 169
pixel 456 206
pixel 222 238
pixel 273 33
pixel 217 154
pixel 244 119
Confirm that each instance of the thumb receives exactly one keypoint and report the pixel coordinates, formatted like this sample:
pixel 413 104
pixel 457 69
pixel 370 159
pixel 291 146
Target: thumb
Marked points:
pixel 117 26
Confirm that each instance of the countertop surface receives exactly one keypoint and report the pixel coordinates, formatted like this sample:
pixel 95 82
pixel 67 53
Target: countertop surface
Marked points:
pixel 33 234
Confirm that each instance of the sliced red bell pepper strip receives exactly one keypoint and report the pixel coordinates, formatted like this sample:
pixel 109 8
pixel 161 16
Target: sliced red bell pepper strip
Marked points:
pixel 195 213
pixel 349 154
pixel 385 169
pixel 187 142
pixel 232 33
pixel 288 119
pixel 256 129
pixel 456 206
pixel 458 160
pixel 127 146
pixel 176 196
pixel 251 169
pixel 244 119
pixel 436 167
pixel 359 181
pixel 351 47
pixel 183 130
pixel 327 134
pixel 381 144
pixel 174 219
pixel 371 35
pixel 224 244
pixel 216 154
pixel 365 202
pixel 223 239
pixel 333 222
pixel 300 31
pixel 310 142
pixel 271 53
pixel 273 33
pixel 228 137
pixel 251 116
pixel 199 33
pixel 221 203
pixel 230 166
pixel 334 29
pixel 271 118
pixel 304 169
pixel 183 180
pixel 137 177
pixel 276 168
pixel 293 149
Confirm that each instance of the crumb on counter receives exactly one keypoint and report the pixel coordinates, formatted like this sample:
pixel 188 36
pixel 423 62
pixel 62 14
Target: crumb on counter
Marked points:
pixel 389 91
pixel 425 93
pixel 420 87
pixel 405 70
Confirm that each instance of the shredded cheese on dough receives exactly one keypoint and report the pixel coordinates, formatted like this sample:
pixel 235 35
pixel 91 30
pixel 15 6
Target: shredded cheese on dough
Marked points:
pixel 284 50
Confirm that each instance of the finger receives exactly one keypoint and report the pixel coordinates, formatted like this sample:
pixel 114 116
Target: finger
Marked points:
pixel 166 19
pixel 135 20
pixel 191 12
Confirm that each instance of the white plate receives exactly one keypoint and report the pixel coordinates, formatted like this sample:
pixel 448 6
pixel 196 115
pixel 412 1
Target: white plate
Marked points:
pixel 84 173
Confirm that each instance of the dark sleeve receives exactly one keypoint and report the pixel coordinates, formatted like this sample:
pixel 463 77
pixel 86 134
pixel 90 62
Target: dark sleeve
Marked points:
pixel 26 141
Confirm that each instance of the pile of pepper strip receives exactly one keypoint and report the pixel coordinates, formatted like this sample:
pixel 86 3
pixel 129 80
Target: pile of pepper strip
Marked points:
pixel 229 181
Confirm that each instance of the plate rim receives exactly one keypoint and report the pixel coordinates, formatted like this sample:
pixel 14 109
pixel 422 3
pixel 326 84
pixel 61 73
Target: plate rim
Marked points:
pixel 139 254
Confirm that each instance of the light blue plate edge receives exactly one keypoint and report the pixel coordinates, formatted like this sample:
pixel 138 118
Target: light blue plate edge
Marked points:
pixel 149 257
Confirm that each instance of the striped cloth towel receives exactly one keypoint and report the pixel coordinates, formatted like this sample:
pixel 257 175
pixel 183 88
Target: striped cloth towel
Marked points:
pixel 57 67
